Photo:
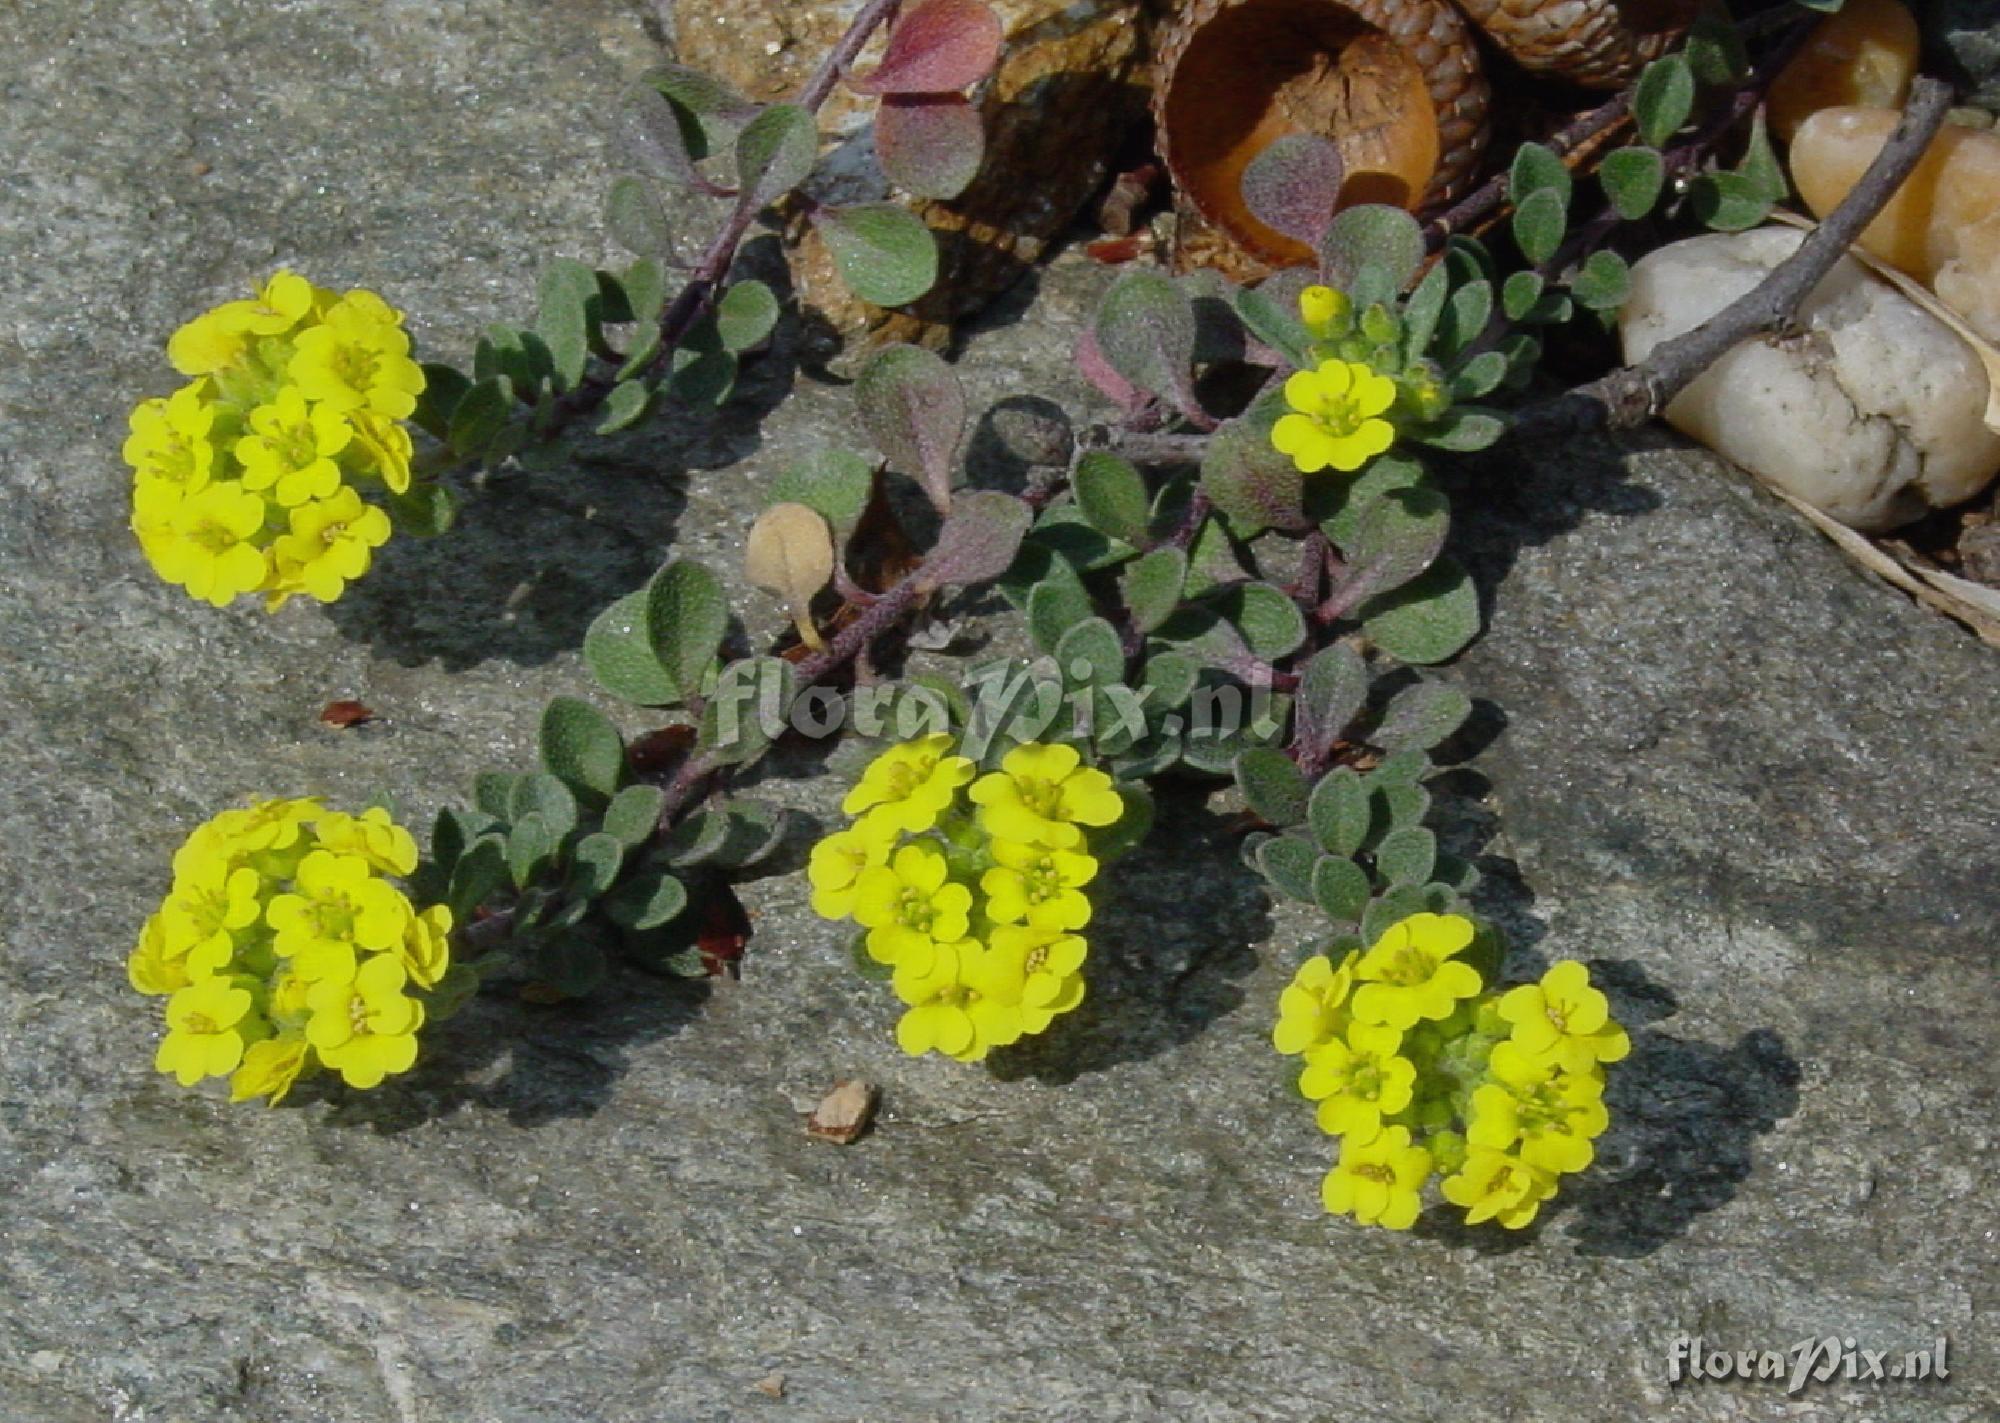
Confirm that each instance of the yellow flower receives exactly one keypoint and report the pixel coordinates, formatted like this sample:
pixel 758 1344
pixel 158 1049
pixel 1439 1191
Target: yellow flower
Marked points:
pixel 426 947
pixel 839 860
pixel 169 448
pixel 205 543
pixel 151 969
pixel 269 1069
pixel 365 1029
pixel 1336 419
pixel 1325 311
pixel 909 786
pixel 1492 1185
pixel 1550 1115
pixel 1037 884
pixel 206 1026
pixel 271 835
pixel 1313 1008
pixel 1564 1017
pixel 1042 793
pixel 331 543
pixel 285 300
pixel 388 449
pixel 370 836
pixel 1378 1181
pixel 960 1004
pixel 1412 971
pixel 1041 968
pixel 337 906
pixel 358 358
pixel 211 342
pixel 209 905
pixel 1358 1080
pixel 291 448
pixel 908 905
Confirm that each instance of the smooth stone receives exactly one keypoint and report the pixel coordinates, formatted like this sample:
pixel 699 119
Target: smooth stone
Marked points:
pixel 1873 413
pixel 1866 53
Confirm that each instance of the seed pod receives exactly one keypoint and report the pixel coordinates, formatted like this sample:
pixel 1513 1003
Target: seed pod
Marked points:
pixel 1599 44
pixel 1395 84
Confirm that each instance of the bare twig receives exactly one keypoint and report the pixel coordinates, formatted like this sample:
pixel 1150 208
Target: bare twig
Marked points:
pixel 1633 394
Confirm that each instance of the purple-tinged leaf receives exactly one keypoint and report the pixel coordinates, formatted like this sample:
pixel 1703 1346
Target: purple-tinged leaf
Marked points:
pixel 979 539
pixel 914 410
pixel 937 47
pixel 1146 329
pixel 1293 185
pixel 658 138
pixel 930 144
pixel 1249 480
pixel 1093 367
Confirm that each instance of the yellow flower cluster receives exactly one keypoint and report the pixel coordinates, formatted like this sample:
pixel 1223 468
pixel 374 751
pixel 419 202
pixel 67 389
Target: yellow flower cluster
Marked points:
pixel 1357 391
pixel 284 945
pixel 249 478
pixel 973 901
pixel 1402 1043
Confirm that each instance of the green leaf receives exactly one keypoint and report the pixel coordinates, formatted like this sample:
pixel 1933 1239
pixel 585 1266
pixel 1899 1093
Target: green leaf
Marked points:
pixel 1055 605
pixel 1391 909
pixel 1089 653
pixel 1276 325
pixel 635 218
pixel 620 656
pixel 1332 687
pixel 1424 311
pixel 1715 50
pixel 1341 888
pixel 913 407
pixel 1171 677
pixel 572 963
pixel 1145 328
pixel 1479 376
pixel 734 728
pixel 775 152
pixel 531 847
pixel 1397 806
pixel 1396 537
pixel 1464 428
pixel 1406 855
pixel 1151 586
pixel 625 406
pixel 1728 202
pixel 479 874
pixel 634 814
pixel 1520 292
pixel 562 318
pixel 1372 237
pixel 711 112
pixel 1663 99
pixel 1287 861
pixel 541 794
pixel 1760 163
pixel 979 539
pixel 687 614
pixel 697 839
pixel 1603 282
pixel 1539 222
pixel 703 373
pixel 1536 169
pixel 646 900
pixel 1270 621
pixel 479 415
pixel 444 387
pixel 834 481
pixel 1427 619
pixel 1273 786
pixel 746 316
pixel 1109 842
pixel 1112 496
pixel 1421 716
pixel 883 252
pixel 493 793
pixel 1401 768
pixel 1465 317
pixel 1339 813
pixel 424 510
pixel 1249 480
pixel 594 865
pixel 582 749
pixel 1632 179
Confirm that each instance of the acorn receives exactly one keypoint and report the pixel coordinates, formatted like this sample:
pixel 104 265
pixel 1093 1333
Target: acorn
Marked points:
pixel 1598 44
pixel 1395 84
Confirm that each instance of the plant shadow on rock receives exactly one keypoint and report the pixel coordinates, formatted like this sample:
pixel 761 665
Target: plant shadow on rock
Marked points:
pixel 536 554
pixel 562 1061
pixel 1172 934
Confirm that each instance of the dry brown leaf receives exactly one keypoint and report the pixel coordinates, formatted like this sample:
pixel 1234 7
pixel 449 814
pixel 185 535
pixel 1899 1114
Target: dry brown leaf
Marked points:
pixel 1923 296
pixel 1973 604
pixel 790 553
pixel 772 1385
pixel 344 714
pixel 845 1112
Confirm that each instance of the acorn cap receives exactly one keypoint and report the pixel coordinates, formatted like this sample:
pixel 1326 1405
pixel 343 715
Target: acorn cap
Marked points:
pixel 1599 44
pixel 1395 84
